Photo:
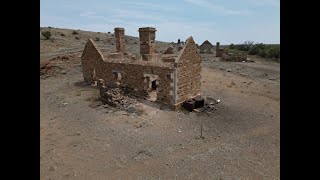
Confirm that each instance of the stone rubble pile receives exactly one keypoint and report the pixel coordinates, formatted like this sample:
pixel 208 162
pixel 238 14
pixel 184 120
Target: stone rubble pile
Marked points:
pixel 115 97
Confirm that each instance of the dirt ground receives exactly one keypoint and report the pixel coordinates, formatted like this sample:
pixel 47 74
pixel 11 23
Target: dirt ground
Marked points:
pixel 82 139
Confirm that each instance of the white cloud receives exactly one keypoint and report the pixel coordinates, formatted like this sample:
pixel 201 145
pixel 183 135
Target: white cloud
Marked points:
pixel 217 8
pixel 138 15
pixel 274 3
pixel 149 6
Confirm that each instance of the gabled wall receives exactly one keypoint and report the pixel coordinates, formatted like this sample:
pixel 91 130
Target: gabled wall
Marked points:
pixel 188 82
pixel 90 59
pixel 206 47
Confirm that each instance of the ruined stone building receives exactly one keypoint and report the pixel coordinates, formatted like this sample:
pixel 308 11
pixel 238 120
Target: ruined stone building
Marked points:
pixel 206 47
pixel 169 78
pixel 219 51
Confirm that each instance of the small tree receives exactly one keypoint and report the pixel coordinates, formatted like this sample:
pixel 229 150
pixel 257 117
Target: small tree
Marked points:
pixel 247 45
pixel 231 46
pixel 46 34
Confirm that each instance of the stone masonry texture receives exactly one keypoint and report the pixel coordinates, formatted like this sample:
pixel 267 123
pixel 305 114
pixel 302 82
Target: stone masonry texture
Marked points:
pixel 120 39
pixel 206 47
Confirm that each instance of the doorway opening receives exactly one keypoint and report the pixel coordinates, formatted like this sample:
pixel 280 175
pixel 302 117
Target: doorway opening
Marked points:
pixel 152 89
pixel 93 77
pixel 154 85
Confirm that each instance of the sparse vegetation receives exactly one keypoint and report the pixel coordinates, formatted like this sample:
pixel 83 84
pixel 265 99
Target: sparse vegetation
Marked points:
pixel 46 34
pixel 62 34
pixel 108 32
pixel 74 32
pixel 77 38
pixel 97 39
pixel 260 49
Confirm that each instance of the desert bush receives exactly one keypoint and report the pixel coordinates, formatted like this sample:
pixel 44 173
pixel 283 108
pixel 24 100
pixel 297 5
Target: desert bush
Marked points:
pixel 262 53
pixel 108 32
pixel 49 27
pixel 62 34
pixel 260 49
pixel 77 38
pixel 46 34
pixel 245 46
pixel 97 39
pixel 273 52
pixel 256 48
pixel 74 32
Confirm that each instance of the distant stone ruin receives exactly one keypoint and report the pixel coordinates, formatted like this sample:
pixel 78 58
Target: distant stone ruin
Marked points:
pixel 169 50
pixel 219 51
pixel 206 47
pixel 170 78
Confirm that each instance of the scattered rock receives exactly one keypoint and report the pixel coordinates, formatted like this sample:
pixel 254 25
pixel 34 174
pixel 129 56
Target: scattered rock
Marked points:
pixel 52 168
pixel 131 109
pixel 142 155
pixel 229 70
pixel 64 72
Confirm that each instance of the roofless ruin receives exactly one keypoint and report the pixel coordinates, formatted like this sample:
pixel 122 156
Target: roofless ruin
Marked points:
pixel 164 78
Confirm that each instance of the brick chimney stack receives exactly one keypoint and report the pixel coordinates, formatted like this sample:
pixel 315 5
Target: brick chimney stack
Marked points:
pixel 147 37
pixel 217 46
pixel 120 39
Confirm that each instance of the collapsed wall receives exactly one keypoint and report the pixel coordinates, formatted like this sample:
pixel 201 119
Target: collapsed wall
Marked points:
pixel 236 57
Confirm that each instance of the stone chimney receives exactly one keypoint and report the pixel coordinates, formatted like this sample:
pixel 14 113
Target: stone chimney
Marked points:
pixel 217 46
pixel 147 37
pixel 120 39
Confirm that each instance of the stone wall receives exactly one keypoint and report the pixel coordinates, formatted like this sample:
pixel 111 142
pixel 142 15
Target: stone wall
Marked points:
pixel 177 76
pixel 134 77
pixel 219 52
pixel 137 78
pixel 189 68
pixel 237 57
pixel 90 59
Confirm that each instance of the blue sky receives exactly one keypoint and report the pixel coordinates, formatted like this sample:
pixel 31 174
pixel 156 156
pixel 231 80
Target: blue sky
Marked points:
pixel 226 21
